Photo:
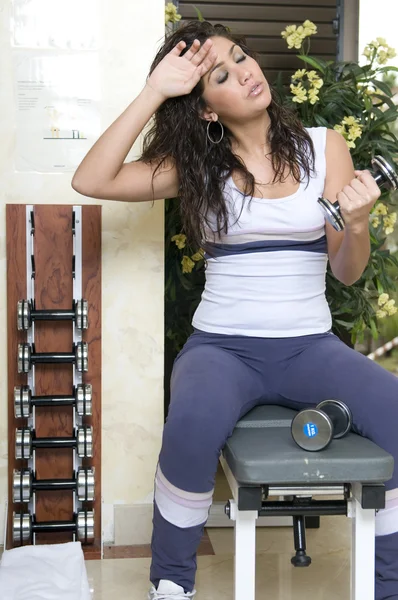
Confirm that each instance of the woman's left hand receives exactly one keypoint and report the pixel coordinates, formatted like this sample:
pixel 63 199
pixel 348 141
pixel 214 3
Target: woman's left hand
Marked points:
pixel 357 199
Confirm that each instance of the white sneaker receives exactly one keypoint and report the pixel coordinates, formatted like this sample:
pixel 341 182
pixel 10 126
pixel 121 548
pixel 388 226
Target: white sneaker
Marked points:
pixel 168 590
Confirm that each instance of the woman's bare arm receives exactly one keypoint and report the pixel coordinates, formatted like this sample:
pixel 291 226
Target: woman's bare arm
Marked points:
pixel 103 174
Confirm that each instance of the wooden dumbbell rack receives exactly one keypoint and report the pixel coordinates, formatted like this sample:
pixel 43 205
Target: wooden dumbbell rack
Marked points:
pixel 66 266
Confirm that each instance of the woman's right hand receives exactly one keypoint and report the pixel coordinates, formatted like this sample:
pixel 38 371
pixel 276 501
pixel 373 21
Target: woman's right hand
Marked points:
pixel 177 75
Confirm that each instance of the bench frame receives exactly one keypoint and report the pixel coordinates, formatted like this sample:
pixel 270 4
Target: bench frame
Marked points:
pixel 361 505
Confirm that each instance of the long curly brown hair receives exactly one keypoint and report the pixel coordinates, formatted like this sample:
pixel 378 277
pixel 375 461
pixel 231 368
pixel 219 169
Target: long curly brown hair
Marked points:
pixel 178 131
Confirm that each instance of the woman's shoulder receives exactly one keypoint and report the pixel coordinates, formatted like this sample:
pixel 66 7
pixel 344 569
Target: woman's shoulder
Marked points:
pixel 326 138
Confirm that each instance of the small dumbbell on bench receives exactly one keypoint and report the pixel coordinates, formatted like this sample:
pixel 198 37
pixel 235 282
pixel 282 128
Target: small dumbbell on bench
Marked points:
pixel 26 314
pixel 26 441
pixel 25 525
pixel 27 357
pixel 25 483
pixel 81 399
pixel 314 428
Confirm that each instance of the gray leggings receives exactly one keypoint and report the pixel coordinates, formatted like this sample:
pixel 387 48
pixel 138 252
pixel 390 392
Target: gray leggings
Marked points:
pixel 217 378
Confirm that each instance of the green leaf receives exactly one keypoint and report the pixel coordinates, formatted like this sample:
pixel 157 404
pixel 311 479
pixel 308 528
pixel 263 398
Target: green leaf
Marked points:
pixel 381 85
pixel 387 69
pixel 199 14
pixel 316 63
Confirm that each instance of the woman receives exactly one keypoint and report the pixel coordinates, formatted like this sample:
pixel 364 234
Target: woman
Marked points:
pixel 248 176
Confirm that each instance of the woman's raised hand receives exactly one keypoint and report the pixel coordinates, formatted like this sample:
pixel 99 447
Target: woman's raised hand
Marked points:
pixel 177 75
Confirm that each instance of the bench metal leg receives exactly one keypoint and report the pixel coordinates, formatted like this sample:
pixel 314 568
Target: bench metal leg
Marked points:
pixel 362 552
pixel 245 552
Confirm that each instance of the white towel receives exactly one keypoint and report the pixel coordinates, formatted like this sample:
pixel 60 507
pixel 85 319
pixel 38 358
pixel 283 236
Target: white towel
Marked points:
pixel 44 572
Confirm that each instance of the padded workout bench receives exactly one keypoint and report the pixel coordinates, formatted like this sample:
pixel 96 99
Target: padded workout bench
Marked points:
pixel 270 475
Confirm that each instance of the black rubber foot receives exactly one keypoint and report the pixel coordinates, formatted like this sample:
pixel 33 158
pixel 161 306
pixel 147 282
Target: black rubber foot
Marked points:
pixel 301 559
pixel 312 522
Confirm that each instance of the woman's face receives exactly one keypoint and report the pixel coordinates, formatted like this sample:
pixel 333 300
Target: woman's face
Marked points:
pixel 235 87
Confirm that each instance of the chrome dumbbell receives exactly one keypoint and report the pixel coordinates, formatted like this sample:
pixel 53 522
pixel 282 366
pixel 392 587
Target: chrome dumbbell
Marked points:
pixel 25 484
pixel 26 441
pixel 314 428
pixel 82 399
pixel 25 525
pixel 27 313
pixel 27 356
pixel 385 176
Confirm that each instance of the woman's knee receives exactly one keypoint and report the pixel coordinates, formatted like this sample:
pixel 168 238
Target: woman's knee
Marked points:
pixel 191 448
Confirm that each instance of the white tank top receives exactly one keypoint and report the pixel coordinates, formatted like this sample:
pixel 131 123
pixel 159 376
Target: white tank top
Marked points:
pixel 267 276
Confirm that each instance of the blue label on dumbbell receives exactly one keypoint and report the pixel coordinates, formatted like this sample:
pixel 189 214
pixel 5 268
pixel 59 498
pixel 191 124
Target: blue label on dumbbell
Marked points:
pixel 310 430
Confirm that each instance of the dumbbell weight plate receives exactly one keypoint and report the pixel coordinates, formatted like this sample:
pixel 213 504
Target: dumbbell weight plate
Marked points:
pixel 22 396
pixel 339 414
pixel 332 213
pixel 23 358
pixel 22 527
pixel 23 315
pixel 86 485
pixel 312 430
pixel 23 443
pixel 387 171
pixel 85 442
pixel 85 526
pixel 84 399
pixel 22 485
pixel 81 314
pixel 81 353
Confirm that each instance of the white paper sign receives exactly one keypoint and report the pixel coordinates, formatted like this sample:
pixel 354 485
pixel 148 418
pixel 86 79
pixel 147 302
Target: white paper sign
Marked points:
pixel 57 109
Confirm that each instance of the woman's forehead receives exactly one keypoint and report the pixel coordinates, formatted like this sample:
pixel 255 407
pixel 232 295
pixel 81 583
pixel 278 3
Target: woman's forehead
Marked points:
pixel 221 43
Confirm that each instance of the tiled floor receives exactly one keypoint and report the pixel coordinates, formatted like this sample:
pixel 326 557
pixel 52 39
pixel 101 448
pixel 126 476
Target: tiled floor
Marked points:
pixel 328 577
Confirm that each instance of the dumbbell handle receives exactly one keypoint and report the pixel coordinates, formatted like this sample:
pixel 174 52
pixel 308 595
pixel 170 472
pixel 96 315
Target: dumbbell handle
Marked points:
pixel 52 315
pixel 53 357
pixel 49 526
pixel 55 442
pixel 378 177
pixel 54 484
pixel 54 400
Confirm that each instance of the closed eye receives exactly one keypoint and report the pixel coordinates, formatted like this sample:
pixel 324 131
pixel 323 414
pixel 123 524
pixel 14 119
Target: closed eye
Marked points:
pixel 225 77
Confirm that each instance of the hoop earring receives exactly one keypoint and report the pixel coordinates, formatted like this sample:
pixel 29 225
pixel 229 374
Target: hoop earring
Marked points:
pixel 208 134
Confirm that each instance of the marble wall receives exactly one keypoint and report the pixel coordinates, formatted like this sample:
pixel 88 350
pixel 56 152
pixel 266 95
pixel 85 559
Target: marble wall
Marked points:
pixel 132 259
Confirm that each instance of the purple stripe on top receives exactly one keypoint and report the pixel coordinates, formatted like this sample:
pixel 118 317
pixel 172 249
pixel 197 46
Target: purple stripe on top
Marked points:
pixel 219 250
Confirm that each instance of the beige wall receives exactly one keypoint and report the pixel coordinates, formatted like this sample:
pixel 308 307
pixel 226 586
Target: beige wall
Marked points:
pixel 132 264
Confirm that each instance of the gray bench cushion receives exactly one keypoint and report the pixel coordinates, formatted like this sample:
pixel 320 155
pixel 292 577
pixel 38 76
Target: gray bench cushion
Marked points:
pixel 261 450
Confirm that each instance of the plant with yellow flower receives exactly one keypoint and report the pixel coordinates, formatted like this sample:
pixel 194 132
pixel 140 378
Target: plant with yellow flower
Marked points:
pixel 295 35
pixel 355 100
pixel 305 86
pixel 379 51
pixel 387 306
pixel 171 14
pixel 351 129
